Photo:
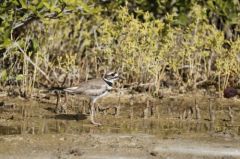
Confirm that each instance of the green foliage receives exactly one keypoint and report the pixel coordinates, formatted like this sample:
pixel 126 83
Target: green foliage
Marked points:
pixel 18 13
pixel 3 75
pixel 131 44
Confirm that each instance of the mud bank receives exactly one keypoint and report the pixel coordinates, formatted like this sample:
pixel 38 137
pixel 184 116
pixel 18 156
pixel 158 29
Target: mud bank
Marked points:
pixel 124 146
pixel 144 128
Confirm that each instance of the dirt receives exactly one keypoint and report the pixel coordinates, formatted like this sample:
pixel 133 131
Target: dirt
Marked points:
pixel 145 128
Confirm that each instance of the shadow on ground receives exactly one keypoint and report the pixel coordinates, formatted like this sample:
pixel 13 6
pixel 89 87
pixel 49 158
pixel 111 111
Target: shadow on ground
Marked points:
pixel 70 116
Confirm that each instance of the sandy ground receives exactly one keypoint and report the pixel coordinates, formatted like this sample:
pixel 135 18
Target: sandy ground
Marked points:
pixel 119 146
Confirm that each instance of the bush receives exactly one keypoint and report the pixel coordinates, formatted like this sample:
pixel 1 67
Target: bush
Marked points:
pixel 146 49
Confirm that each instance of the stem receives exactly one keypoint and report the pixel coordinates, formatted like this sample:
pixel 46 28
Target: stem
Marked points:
pixel 35 65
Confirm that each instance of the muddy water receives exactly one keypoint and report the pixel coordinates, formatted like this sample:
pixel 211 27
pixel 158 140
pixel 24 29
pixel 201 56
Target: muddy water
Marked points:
pixel 174 127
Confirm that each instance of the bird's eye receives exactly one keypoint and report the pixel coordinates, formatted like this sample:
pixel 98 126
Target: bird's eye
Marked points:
pixel 112 74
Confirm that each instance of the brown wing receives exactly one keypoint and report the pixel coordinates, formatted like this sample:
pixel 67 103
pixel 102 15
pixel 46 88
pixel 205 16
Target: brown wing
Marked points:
pixel 96 92
pixel 88 87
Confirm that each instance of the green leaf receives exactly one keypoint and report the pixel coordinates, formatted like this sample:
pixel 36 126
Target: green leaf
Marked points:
pixel 3 75
pixel 6 42
pixel 20 77
pixel 23 3
pixel 47 5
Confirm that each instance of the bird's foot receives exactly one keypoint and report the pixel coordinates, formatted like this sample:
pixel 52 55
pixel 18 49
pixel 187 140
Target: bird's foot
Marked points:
pixel 95 123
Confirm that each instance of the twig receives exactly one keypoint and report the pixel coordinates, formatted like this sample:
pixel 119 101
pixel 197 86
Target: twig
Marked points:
pixel 29 60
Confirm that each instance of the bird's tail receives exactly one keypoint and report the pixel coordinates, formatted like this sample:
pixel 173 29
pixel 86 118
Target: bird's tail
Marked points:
pixel 57 89
pixel 70 89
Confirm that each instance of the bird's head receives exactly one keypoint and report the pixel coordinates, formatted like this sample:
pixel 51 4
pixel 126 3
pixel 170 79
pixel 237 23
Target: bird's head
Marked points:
pixel 111 76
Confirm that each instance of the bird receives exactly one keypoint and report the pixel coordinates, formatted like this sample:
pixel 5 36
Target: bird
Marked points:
pixel 95 89
pixel 231 92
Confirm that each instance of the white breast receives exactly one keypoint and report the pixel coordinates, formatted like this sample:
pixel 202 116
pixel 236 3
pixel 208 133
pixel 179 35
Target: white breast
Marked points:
pixel 94 98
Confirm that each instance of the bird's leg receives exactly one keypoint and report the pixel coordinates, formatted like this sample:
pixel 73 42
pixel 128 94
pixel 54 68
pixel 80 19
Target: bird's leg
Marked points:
pixel 92 114
pixel 97 107
pixel 60 108
pixel 57 104
pixel 64 106
pixel 87 107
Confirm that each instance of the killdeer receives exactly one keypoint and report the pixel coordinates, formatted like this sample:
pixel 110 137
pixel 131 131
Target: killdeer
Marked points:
pixel 94 89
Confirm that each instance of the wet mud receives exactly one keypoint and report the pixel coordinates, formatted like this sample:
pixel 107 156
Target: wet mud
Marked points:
pixel 179 126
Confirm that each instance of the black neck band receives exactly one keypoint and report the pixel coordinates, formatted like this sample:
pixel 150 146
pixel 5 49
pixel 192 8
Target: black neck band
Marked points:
pixel 108 82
